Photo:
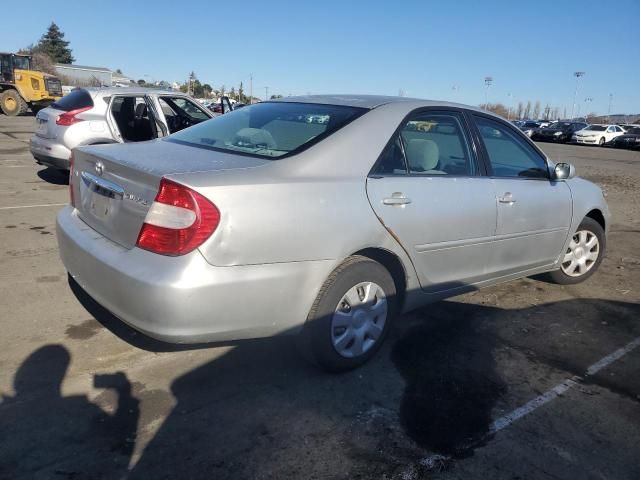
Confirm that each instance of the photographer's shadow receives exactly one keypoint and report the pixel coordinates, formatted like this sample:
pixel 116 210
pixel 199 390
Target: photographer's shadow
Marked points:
pixel 47 435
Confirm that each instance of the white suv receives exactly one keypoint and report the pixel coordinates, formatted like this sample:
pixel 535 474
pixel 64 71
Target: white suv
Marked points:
pixel 92 116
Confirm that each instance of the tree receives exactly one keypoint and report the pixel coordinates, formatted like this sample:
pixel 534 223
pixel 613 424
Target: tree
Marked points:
pixel 536 111
pixel 52 43
pixel 519 111
pixel 141 82
pixel 118 71
pixel 497 108
pixel 275 97
pixel 207 89
pixel 232 92
pixel 527 111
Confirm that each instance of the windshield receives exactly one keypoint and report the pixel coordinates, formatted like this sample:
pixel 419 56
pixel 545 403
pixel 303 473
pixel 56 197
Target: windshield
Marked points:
pixel 596 128
pixel 560 125
pixel 269 129
pixel 21 63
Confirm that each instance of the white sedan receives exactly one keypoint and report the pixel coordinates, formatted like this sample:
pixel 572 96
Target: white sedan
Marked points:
pixel 597 134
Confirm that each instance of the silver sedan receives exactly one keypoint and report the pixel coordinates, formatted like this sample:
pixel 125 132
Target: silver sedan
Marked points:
pixel 323 216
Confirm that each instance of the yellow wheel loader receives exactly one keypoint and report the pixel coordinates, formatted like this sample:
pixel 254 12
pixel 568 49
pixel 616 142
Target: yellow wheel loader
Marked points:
pixel 22 88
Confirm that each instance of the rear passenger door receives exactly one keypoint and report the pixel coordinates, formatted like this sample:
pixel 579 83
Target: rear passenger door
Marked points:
pixel 534 212
pixel 428 191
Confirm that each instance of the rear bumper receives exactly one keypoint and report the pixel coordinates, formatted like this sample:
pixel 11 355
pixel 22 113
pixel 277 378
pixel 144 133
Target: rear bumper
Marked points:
pixel 50 153
pixel 185 299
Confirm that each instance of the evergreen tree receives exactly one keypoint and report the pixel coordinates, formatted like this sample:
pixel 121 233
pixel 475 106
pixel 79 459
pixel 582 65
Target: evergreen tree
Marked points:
pixel 53 44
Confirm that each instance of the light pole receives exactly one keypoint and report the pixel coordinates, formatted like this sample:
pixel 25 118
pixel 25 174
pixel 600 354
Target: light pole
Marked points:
pixel 487 81
pixel 510 95
pixel 587 101
pixel 266 93
pixel 609 109
pixel 250 88
pixel 575 95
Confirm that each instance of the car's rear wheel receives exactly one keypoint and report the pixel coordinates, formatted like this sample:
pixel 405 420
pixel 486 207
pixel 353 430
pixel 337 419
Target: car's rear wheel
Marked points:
pixel 584 254
pixel 601 142
pixel 351 315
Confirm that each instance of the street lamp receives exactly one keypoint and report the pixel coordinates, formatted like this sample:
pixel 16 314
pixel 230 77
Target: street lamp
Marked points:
pixel 487 81
pixel 609 109
pixel 510 95
pixel 575 95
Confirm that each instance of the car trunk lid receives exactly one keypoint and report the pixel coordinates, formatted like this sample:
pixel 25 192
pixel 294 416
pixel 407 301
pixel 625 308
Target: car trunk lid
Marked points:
pixel 115 185
pixel 46 122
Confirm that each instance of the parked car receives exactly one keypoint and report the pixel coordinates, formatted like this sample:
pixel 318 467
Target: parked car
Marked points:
pixel 558 131
pixel 630 139
pixel 221 106
pixel 93 116
pixel 238 105
pixel 262 223
pixel 597 134
pixel 544 123
pixel 529 127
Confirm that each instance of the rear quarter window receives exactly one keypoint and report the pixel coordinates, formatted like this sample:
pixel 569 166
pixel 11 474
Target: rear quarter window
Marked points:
pixel 78 98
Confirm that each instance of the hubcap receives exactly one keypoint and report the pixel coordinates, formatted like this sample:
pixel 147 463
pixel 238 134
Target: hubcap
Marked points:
pixel 10 103
pixel 582 254
pixel 359 319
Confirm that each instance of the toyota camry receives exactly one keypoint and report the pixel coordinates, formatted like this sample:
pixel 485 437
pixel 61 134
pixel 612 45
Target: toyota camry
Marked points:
pixel 324 216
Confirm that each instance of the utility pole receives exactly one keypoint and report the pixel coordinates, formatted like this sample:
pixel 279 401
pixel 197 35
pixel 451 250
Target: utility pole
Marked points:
pixel 510 95
pixel 575 95
pixel 609 109
pixel 250 88
pixel 587 101
pixel 487 81
pixel 266 93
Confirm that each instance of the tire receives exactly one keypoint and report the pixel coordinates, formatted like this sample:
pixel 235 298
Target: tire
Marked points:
pixel 602 141
pixel 12 103
pixel 565 276
pixel 339 336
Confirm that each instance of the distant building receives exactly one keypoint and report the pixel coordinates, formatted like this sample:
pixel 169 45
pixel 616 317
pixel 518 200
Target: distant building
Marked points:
pixel 84 75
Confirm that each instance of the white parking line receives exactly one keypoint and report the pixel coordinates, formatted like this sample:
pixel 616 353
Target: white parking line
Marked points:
pixel 34 206
pixel 543 399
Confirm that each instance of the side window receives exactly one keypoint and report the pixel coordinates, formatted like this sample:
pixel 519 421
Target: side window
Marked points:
pixel 392 160
pixel 435 144
pixel 509 155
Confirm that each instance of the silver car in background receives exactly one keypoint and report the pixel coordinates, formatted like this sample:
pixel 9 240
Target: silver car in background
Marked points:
pixel 268 220
pixel 93 116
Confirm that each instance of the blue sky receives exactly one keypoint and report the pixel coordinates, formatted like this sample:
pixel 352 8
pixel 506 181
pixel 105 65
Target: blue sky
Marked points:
pixel 424 48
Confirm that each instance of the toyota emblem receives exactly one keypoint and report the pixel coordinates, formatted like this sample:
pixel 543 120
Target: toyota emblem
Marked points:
pixel 99 168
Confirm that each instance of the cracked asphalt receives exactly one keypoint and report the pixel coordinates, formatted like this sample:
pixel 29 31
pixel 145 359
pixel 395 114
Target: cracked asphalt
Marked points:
pixel 84 397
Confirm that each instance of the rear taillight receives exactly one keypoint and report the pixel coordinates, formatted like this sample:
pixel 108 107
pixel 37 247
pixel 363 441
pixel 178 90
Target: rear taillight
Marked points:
pixel 72 200
pixel 178 222
pixel 69 118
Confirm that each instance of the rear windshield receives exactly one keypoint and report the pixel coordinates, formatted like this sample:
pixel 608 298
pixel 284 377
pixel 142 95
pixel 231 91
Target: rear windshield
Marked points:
pixel 560 125
pixel 76 99
pixel 269 129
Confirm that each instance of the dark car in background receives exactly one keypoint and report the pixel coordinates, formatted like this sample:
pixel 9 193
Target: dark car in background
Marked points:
pixel 558 131
pixel 630 139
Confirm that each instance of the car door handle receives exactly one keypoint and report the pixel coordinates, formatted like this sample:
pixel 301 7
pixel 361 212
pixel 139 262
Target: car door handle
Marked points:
pixel 507 198
pixel 397 198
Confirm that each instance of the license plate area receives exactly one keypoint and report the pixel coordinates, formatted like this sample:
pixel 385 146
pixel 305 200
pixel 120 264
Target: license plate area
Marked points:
pixel 100 198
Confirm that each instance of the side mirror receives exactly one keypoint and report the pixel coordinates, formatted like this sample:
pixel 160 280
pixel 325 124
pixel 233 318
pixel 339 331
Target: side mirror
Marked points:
pixel 564 171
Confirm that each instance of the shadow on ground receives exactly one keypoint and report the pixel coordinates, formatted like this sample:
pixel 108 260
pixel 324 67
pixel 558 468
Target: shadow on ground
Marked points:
pixel 260 411
pixel 54 176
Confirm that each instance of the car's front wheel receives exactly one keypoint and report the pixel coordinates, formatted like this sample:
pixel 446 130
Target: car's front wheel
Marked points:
pixel 351 315
pixel 584 254
pixel 602 141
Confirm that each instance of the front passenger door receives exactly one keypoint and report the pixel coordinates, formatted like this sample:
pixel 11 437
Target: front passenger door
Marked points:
pixel 534 212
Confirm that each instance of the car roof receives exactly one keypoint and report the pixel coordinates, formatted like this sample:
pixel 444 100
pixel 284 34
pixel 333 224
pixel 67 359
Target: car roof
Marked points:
pixel 129 91
pixel 371 101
